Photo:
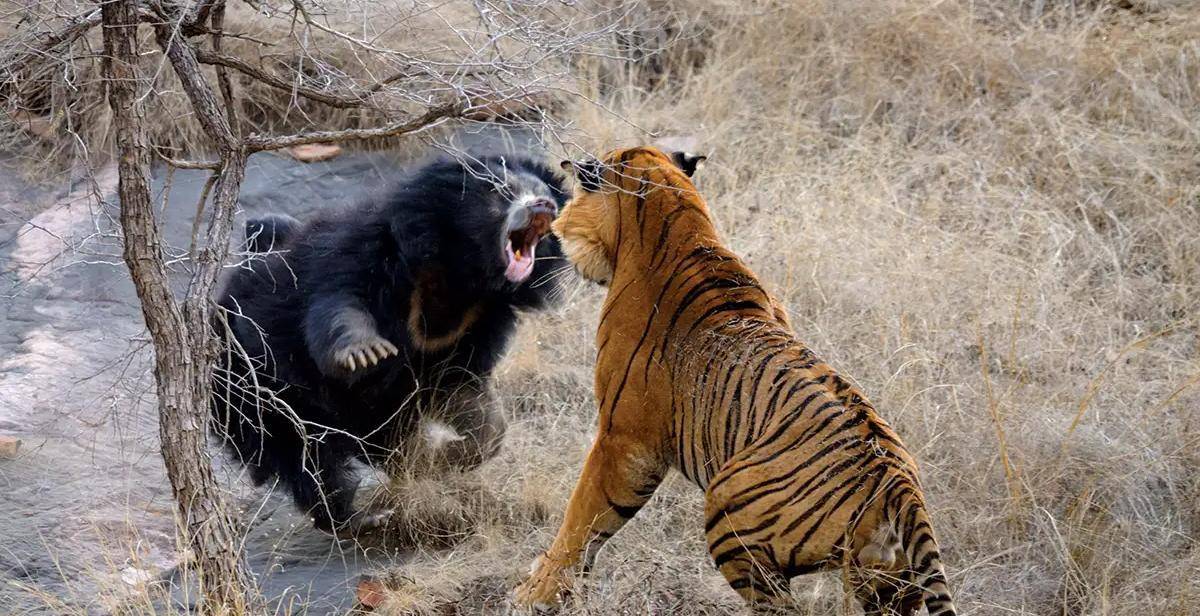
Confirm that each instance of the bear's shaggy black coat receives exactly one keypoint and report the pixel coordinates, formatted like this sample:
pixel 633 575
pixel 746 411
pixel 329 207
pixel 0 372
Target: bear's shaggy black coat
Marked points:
pixel 346 323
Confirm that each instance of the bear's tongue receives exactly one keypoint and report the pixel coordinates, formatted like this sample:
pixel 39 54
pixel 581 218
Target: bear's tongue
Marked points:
pixel 520 260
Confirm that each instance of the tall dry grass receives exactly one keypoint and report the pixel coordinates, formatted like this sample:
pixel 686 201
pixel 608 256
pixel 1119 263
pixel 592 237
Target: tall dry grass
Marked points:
pixel 987 214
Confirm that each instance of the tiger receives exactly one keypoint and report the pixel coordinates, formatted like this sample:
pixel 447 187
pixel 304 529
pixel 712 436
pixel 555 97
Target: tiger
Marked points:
pixel 698 370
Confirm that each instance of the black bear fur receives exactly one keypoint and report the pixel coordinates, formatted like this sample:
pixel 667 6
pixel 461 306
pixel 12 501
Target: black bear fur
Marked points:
pixel 338 329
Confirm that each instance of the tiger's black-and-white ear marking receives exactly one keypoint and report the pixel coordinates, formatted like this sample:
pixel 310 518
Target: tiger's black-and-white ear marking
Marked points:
pixel 688 162
pixel 588 172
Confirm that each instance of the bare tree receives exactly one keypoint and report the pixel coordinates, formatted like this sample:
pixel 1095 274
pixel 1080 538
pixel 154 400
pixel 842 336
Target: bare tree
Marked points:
pixel 322 67
pixel 183 347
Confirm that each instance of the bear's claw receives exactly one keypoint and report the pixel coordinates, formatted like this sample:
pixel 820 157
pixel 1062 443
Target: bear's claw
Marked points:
pixel 366 353
pixel 364 522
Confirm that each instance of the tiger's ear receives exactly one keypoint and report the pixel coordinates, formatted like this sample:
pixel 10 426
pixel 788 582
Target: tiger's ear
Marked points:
pixel 688 162
pixel 587 172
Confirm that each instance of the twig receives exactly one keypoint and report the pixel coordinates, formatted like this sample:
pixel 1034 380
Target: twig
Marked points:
pixel 432 117
pixel 211 165
pixel 223 81
pixel 357 98
pixel 275 81
pixel 74 28
pixel 208 184
pixel 1011 474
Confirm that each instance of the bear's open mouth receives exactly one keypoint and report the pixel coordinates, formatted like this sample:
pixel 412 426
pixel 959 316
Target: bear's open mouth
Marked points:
pixel 526 226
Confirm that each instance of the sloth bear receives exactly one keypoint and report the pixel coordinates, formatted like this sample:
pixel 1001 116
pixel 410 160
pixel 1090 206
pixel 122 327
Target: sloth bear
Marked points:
pixel 342 333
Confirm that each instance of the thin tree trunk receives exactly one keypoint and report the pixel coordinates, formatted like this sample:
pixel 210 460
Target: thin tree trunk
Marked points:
pixel 183 346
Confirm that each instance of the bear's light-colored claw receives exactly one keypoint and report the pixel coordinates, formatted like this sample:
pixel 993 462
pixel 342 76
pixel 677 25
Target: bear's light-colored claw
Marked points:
pixel 369 353
pixel 385 349
pixel 365 522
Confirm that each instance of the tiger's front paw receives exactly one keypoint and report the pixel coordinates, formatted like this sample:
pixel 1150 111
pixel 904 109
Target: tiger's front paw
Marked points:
pixel 367 352
pixel 545 588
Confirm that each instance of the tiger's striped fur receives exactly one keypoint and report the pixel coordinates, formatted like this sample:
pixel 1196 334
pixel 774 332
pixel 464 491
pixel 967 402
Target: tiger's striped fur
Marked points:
pixel 697 369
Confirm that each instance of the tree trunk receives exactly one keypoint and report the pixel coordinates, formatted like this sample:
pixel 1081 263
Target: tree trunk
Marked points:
pixel 182 343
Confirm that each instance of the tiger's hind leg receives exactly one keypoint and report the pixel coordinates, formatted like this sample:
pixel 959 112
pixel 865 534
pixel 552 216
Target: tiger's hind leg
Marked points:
pixel 885 593
pixel 761 585
pixel 741 550
pixel 879 577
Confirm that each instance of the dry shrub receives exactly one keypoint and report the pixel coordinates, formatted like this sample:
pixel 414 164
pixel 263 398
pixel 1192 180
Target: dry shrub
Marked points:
pixel 401 56
pixel 985 216
pixel 441 512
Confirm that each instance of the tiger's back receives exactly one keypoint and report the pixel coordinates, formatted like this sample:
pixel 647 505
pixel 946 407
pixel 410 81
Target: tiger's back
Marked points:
pixel 801 472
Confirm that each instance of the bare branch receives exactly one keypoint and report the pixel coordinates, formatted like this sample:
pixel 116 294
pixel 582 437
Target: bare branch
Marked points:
pixel 356 98
pixel 182 55
pixel 182 359
pixel 43 45
pixel 275 81
pixel 193 23
pixel 189 164
pixel 223 81
pixel 232 169
pixel 432 117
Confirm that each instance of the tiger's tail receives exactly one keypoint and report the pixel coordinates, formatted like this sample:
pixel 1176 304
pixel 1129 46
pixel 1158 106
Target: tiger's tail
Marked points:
pixel 925 562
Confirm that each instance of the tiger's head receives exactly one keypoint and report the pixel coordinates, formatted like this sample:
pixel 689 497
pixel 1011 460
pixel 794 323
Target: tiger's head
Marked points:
pixel 612 192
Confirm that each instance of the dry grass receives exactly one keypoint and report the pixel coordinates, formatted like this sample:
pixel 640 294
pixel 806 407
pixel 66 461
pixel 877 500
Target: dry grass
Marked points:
pixel 988 218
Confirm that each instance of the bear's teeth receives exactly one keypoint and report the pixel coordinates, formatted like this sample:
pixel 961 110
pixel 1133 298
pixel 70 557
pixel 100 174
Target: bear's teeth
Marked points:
pixel 517 254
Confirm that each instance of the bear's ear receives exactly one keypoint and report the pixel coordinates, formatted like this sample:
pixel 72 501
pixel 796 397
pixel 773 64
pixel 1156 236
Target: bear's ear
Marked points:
pixel 688 162
pixel 587 172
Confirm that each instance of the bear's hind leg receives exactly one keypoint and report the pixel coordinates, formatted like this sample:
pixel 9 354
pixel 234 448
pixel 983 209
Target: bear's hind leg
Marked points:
pixel 324 486
pixel 473 414
pixel 459 430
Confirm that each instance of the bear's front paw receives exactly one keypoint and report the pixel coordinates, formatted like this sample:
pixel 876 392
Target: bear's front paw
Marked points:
pixel 545 588
pixel 368 352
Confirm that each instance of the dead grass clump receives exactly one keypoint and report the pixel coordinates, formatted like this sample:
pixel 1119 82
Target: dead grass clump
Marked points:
pixel 441 512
